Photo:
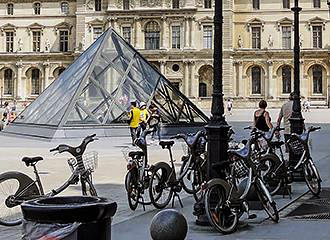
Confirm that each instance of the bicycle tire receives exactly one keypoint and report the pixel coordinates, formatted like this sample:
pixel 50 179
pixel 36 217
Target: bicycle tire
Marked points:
pixel 220 216
pixel 185 174
pixel 159 177
pixel 133 192
pixel 197 184
pixel 312 178
pixel 15 185
pixel 267 202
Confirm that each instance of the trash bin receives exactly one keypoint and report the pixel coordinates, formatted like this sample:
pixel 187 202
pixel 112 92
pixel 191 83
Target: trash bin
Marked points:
pixel 68 218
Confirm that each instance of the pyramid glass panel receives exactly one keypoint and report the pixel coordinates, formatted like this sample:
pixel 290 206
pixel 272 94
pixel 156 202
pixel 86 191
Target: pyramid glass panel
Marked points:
pixel 98 87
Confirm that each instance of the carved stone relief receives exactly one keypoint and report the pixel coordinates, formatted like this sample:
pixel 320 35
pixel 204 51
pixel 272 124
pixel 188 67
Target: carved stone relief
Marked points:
pixel 150 3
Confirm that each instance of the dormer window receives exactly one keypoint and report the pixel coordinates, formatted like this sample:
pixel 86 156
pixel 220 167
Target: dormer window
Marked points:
pixel 98 5
pixel 65 8
pixel 36 8
pixel 175 3
pixel 10 9
pixel 126 4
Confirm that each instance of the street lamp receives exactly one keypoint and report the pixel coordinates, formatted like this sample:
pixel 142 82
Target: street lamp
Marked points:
pixel 217 128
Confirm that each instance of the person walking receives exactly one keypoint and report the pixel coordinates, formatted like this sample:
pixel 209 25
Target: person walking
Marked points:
pixel 134 119
pixel 154 121
pixel 229 105
pixel 144 115
pixel 261 118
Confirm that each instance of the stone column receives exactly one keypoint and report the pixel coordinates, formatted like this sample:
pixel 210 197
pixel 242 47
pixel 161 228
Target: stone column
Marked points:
pixel 186 77
pixel 303 82
pixel 162 66
pixel 20 90
pixel 192 31
pixel 46 75
pixel 241 80
pixel 163 42
pixel 235 81
pixel 193 83
pixel 186 32
pixel 271 89
pixel 137 30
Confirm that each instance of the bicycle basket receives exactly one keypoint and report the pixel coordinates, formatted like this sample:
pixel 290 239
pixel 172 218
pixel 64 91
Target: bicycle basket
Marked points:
pixel 89 159
pixel 295 146
pixel 241 170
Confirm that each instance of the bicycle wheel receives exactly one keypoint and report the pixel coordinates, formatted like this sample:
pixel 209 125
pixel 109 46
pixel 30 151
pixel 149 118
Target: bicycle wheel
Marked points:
pixel 159 190
pixel 219 214
pixel 312 177
pixel 133 192
pixel 197 184
pixel 267 202
pixel 186 176
pixel 15 187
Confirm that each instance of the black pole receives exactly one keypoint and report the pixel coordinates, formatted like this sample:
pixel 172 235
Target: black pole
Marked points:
pixel 328 2
pixel 296 119
pixel 217 128
pixel 1 97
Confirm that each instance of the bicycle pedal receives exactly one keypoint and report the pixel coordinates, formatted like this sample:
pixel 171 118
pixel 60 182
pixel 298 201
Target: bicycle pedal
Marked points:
pixel 252 216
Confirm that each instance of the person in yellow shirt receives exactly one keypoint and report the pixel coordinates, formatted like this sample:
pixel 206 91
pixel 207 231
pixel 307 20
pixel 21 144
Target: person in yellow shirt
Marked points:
pixel 144 115
pixel 134 119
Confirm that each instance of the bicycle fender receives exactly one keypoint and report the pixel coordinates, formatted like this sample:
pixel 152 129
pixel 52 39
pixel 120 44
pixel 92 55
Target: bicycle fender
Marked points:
pixel 24 181
pixel 273 158
pixel 167 168
pixel 218 181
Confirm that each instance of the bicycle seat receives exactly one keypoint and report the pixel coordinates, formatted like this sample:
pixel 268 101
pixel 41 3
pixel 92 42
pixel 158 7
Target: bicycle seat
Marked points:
pixel 302 137
pixel 192 140
pixel 277 144
pixel 137 154
pixel 29 161
pixel 166 144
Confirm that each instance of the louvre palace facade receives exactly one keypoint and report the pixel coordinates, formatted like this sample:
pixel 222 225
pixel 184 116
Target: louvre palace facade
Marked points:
pixel 40 39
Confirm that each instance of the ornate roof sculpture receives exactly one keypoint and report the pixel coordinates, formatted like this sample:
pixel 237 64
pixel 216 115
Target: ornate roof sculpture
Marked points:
pixel 97 88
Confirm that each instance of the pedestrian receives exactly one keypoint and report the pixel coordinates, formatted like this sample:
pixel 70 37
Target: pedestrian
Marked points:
pixel 134 118
pixel 154 121
pixel 229 105
pixel 144 115
pixel 3 121
pixel 262 120
pixel 308 105
pixel 6 111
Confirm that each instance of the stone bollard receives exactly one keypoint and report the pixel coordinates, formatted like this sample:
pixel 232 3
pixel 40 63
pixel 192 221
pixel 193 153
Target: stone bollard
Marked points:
pixel 168 224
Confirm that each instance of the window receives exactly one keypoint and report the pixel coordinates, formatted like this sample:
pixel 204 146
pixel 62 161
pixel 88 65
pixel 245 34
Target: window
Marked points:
pixel 36 41
pixel 64 41
pixel 175 3
pixel 176 37
pixel 286 4
pixel 256 80
pixel 286 79
pixel 9 41
pixel 256 4
pixel 207 36
pixel 126 4
pixel 97 32
pixel 36 8
pixel 256 41
pixel 317 37
pixel 127 34
pixel 8 82
pixel 202 90
pixel 35 82
pixel 60 71
pixel 317 3
pixel 286 37
pixel 98 5
pixel 207 3
pixel 65 8
pixel 152 35
pixel 10 9
pixel 317 79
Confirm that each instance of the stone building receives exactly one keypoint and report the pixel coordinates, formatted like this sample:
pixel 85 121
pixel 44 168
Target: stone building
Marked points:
pixel 39 39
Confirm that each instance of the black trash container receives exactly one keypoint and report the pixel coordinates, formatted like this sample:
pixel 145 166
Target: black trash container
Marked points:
pixel 69 218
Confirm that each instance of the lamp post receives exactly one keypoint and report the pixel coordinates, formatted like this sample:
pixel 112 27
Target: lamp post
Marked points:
pixel 217 128
pixel 1 97
pixel 328 2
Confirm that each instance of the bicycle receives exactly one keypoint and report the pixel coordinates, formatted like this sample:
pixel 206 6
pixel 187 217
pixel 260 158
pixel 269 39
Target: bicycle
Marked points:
pixel 22 188
pixel 225 199
pixel 139 172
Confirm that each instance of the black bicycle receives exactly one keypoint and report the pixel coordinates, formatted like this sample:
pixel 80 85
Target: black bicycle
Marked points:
pixel 17 187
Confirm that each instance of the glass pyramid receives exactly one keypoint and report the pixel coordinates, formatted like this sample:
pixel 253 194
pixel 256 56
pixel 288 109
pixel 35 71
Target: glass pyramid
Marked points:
pixel 98 87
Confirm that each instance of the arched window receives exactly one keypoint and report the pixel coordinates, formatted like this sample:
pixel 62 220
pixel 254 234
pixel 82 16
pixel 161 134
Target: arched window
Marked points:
pixel 152 35
pixel 317 79
pixel 98 5
pixel 35 82
pixel 64 7
pixel 286 79
pixel 10 9
pixel 126 4
pixel 8 82
pixel 202 90
pixel 36 8
pixel 207 3
pixel 256 80
pixel 256 4
pixel 175 3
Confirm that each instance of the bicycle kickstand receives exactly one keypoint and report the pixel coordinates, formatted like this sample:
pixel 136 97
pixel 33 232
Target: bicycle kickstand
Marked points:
pixel 175 194
pixel 144 208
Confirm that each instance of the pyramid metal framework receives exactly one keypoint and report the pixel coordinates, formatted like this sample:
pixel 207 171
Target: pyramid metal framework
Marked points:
pixel 96 91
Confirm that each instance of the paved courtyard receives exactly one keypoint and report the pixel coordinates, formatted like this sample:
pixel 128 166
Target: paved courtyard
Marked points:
pixel 109 179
